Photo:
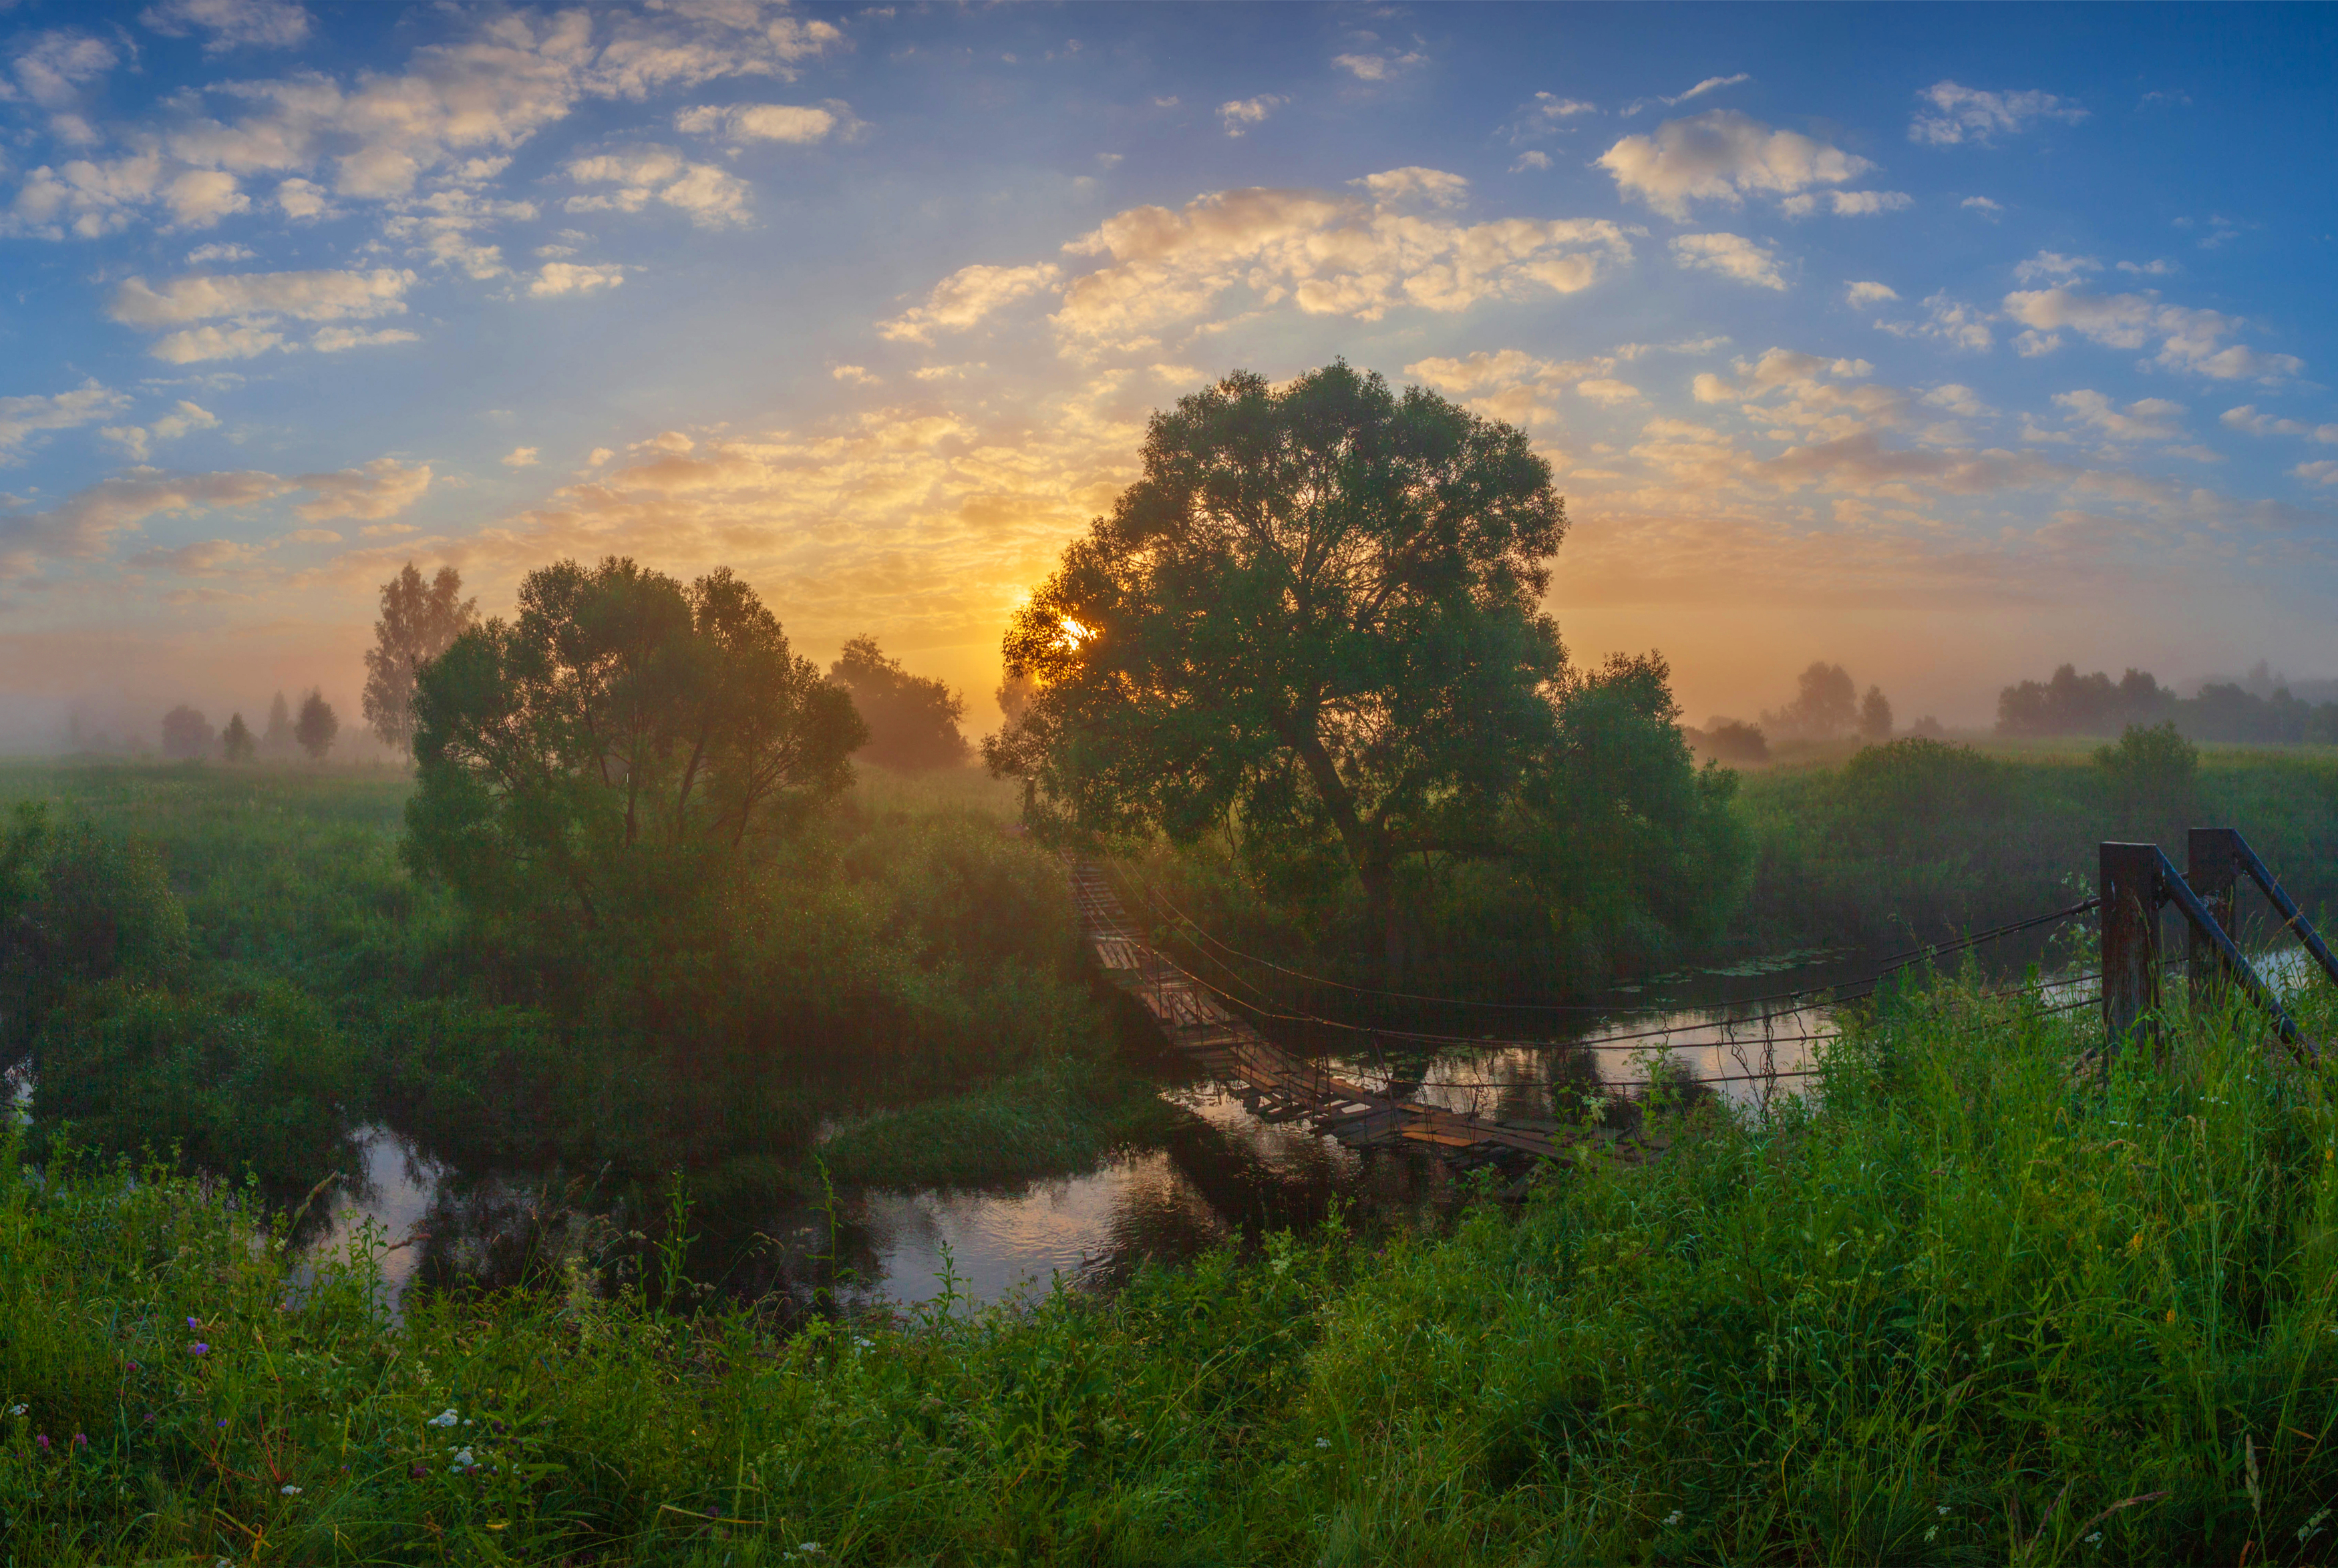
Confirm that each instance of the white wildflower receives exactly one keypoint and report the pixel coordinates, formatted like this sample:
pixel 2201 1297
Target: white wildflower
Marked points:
pixel 289 1491
pixel 19 1410
pixel 1322 1442
pixel 443 1418
pixel 1673 1519
pixel 463 1461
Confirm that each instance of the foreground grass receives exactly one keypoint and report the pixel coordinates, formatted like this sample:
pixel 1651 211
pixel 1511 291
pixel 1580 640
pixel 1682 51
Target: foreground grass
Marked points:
pixel 1976 1307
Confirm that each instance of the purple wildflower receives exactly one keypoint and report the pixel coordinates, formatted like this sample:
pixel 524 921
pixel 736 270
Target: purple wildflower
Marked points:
pixel 201 1348
pixel 194 1323
pixel 80 1439
pixel 41 1440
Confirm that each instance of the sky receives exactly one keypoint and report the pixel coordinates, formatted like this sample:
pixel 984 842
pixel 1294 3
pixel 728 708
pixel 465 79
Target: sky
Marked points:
pixel 1949 344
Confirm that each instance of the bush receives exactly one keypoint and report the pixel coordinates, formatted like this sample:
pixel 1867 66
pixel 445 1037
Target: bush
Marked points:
pixel 251 1078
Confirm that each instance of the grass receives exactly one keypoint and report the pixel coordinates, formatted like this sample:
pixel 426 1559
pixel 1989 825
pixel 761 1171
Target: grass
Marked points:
pixel 1982 1302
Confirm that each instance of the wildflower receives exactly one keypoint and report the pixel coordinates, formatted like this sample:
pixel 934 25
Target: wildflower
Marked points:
pixel 19 1410
pixel 201 1348
pixel 1942 1510
pixel 1673 1519
pixel 863 1344
pixel 42 1442
pixel 1931 1535
pixel 463 1461
pixel 194 1323
pixel 417 1472
pixel 443 1418
pixel 1322 1442
pixel 80 1439
pixel 289 1491
pixel 2096 1539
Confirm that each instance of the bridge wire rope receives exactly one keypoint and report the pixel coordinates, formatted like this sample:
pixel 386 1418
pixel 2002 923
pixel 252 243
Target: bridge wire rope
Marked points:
pixel 1155 899
pixel 1772 1038
pixel 1855 990
pixel 1890 965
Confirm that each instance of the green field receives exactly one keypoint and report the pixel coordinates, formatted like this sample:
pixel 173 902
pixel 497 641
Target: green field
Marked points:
pixel 1984 1306
pixel 1979 1301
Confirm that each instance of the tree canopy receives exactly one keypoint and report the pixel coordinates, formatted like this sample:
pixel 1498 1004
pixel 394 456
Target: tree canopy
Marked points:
pixel 913 719
pixel 418 622
pixel 618 744
pixel 1316 618
pixel 317 725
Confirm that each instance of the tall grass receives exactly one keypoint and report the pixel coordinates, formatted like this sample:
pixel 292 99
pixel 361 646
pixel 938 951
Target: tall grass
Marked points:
pixel 1983 1301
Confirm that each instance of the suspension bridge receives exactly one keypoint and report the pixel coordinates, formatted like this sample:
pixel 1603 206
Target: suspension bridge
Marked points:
pixel 1217 1022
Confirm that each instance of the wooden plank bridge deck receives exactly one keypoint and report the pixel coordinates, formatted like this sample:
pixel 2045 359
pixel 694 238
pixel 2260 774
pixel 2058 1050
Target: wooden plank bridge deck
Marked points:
pixel 1281 1086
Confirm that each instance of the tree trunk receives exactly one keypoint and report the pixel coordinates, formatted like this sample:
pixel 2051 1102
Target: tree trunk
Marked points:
pixel 1366 846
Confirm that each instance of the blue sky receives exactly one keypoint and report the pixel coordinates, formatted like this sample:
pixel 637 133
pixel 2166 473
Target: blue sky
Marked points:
pixel 1948 343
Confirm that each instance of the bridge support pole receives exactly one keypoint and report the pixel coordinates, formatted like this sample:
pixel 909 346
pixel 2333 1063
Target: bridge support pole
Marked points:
pixel 2129 884
pixel 2212 865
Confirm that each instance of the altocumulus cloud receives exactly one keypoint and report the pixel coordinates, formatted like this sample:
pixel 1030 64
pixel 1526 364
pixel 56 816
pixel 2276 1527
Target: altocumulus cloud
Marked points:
pixel 256 305
pixel 1721 156
pixel 1327 254
pixel 83 525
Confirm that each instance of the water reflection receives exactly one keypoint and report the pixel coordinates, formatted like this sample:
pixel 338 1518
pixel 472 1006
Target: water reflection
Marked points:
pixel 1224 1177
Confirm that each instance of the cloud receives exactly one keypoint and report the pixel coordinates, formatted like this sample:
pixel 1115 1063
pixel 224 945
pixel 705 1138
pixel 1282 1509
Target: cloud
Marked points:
pixel 1864 294
pixel 520 457
pixel 557 278
pixel 257 303
pixel 854 376
pixel 1982 204
pixel 202 255
pixel 230 23
pixel 2246 418
pixel 1330 255
pixel 1950 321
pixel 740 123
pixel 1967 114
pixel 1545 115
pixel 22 419
pixel 2191 340
pixel 1719 156
pixel 82 526
pixel 1241 114
pixel 2162 268
pixel 1959 400
pixel 202 197
pixel 1381 66
pixel 333 340
pixel 1512 384
pixel 136 439
pixel 712 197
pixel 1822 399
pixel 381 488
pixel 1709 84
pixel 2049 266
pixel 2147 420
pixel 1847 203
pixel 1530 159
pixel 1732 256
pixel 1432 186
pixel 321 296
pixel 964 298
pixel 2324 472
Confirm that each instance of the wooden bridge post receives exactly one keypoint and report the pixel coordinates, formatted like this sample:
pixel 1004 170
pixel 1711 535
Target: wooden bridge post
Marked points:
pixel 2129 884
pixel 2212 865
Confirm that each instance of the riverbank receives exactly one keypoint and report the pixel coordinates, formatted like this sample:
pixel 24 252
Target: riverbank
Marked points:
pixel 1976 1303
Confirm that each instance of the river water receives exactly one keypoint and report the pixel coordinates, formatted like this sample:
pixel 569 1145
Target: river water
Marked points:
pixel 1225 1176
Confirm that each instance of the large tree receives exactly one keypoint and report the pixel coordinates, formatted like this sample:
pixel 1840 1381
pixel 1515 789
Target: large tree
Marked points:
pixel 617 748
pixel 418 622
pixel 912 719
pixel 1318 610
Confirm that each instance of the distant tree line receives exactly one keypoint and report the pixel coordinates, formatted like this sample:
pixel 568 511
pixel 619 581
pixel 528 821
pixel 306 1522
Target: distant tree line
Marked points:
pixel 2069 703
pixel 188 735
pixel 1826 705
